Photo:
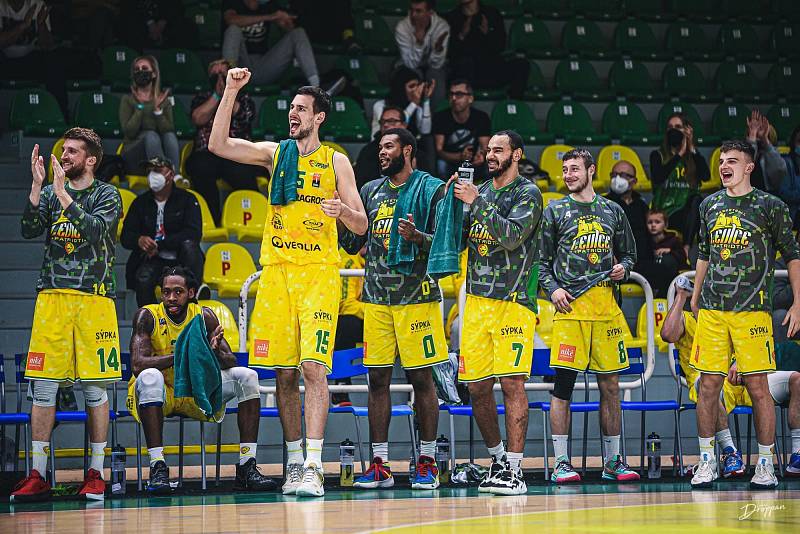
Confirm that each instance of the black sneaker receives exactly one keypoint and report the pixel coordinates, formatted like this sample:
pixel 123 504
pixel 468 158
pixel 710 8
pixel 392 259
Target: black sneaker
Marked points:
pixel 340 400
pixel 489 480
pixel 248 477
pixel 158 484
pixel 509 482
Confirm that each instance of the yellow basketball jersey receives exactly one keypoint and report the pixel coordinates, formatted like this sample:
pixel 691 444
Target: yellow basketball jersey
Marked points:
pixel 350 301
pixel 299 232
pixel 165 333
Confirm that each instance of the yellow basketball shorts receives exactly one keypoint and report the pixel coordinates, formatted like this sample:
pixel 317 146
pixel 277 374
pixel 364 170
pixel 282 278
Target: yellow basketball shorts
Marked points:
pixel 496 339
pixel 295 315
pixel 416 331
pixel 597 346
pixel 731 396
pixel 721 334
pixel 74 337
pixel 184 406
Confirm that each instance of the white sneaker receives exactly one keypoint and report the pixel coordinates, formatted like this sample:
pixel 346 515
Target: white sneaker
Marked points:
pixel 294 476
pixel 509 482
pixel 765 477
pixel 313 482
pixel 491 477
pixel 705 474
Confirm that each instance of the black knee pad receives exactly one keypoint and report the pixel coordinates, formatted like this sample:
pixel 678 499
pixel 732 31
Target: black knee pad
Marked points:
pixel 564 384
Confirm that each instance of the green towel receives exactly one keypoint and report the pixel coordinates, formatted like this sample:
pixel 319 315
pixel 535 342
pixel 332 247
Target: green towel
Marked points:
pixel 415 198
pixel 197 371
pixel 284 174
pixel 446 244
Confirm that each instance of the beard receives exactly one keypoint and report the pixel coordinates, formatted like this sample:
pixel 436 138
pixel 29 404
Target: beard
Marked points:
pixel 579 186
pixel 502 166
pixel 395 165
pixel 75 171
pixel 302 133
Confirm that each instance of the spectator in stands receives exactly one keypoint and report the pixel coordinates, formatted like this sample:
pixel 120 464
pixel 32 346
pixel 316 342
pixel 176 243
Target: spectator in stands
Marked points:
pixel 422 40
pixel 163 228
pixel 146 118
pixel 789 190
pixel 532 171
pixel 770 168
pixel 330 22
pixel 623 181
pixel 476 49
pixel 246 44
pixel 667 256
pixel 157 24
pixel 461 132
pixel 676 170
pixel 101 16
pixel 367 165
pixel 203 167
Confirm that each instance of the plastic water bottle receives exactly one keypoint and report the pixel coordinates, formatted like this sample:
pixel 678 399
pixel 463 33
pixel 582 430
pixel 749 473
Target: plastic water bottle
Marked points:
pixel 118 470
pixel 347 455
pixel 466 174
pixel 443 458
pixel 653 456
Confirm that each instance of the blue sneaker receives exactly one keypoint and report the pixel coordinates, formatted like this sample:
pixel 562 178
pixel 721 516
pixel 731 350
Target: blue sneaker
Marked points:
pixel 793 469
pixel 427 475
pixel 732 463
pixel 379 475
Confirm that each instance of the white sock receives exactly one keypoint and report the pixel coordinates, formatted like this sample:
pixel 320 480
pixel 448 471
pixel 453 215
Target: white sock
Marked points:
pixel 247 451
pixel 40 450
pixel 313 80
pixel 497 452
pixel 427 448
pixel 706 448
pixel 765 453
pixel 294 452
pixel 560 445
pixel 514 460
pixel 313 452
pixel 724 439
pixel 381 450
pixel 795 440
pixel 611 444
pixel 98 456
pixel 156 455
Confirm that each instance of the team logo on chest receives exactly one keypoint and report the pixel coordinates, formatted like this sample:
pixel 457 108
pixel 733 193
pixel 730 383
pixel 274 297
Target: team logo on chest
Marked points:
pixel 479 235
pixel 728 234
pixel 382 225
pixel 591 239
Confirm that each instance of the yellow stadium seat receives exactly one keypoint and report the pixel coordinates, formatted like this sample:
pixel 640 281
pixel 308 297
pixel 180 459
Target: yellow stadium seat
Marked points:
pixel 550 162
pixel 245 213
pixel 226 319
pixel 660 308
pixel 186 150
pixel 715 182
pixel 547 196
pixel 263 184
pixel 783 149
pixel 57 150
pixel 631 290
pixel 210 230
pixel 544 320
pixel 135 181
pixel 127 199
pixel 227 267
pixel 606 160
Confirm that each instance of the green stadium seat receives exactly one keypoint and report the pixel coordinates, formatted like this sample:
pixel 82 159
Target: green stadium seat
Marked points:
pixel 583 37
pixel 548 9
pixel 100 112
pixel 182 71
pixel 704 10
pixel 631 79
pixel 208 22
pixel 184 128
pixel 578 78
pixel 784 80
pixel 687 39
pixel 536 88
pixel 117 66
pixel 374 35
pixel 636 39
pixel 529 37
pixel 783 39
pixel 36 113
pixel 363 72
pixel 508 8
pixel 272 117
pixel 646 10
pixel 571 121
pixel 606 10
pixel 346 122
pixel 700 135
pixel 739 40
pixel 685 80
pixel 386 7
pixel 516 115
pixel 625 122
pixel 785 118
pixel 737 80
pixel 730 120
pixel 744 10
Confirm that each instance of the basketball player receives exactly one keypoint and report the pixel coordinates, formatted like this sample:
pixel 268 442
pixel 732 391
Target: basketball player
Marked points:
pixel 297 306
pixel 587 245
pixel 156 328
pixel 500 312
pixel 401 312
pixel 74 335
pixel 740 230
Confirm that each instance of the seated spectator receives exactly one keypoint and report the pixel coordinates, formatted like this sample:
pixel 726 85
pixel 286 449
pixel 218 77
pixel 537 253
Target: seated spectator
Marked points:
pixel 770 167
pixel 330 22
pixel 246 44
pixel 422 40
pixel 668 255
pixel 476 49
pixel 157 24
pixel 163 228
pixel 623 181
pixel 676 170
pixel 461 133
pixel 789 189
pixel 203 167
pixel 409 92
pixel 532 171
pixel 367 165
pixel 102 16
pixel 145 115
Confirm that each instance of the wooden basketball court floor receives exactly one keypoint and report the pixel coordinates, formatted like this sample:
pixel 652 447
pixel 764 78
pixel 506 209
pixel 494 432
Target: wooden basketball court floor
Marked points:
pixel 651 507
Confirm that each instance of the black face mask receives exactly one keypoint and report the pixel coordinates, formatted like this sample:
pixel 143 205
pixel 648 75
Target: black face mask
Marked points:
pixel 674 137
pixel 142 77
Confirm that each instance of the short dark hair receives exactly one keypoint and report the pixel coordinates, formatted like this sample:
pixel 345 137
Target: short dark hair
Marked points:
pixel 94 146
pixel 461 81
pixel 430 3
pixel 392 107
pixel 514 139
pixel 657 211
pixel 579 153
pixel 322 100
pixel 739 144
pixel 183 272
pixel 406 139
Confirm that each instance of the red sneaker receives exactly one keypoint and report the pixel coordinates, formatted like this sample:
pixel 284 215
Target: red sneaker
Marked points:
pixel 32 488
pixel 93 487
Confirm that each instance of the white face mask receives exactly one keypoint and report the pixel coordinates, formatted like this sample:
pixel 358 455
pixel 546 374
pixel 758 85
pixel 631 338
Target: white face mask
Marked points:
pixel 157 181
pixel 619 184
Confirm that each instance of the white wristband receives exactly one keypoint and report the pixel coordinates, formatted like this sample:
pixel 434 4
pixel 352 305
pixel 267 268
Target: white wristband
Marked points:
pixel 158 112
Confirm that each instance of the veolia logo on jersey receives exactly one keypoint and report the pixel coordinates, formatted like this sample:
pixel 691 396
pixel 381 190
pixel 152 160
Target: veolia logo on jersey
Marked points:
pixel 277 242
